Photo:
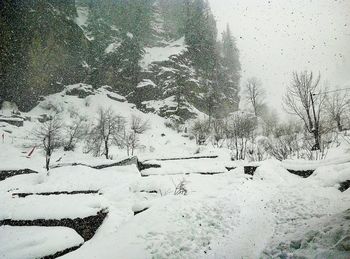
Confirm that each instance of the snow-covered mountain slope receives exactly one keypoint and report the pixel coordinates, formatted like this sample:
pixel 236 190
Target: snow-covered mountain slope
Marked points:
pixel 156 142
pixel 221 216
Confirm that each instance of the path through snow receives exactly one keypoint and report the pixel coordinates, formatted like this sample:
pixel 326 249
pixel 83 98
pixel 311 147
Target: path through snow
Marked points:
pixel 223 216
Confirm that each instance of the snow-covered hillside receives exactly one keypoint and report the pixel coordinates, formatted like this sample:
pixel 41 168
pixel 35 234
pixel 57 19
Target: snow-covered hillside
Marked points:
pixel 86 101
pixel 224 214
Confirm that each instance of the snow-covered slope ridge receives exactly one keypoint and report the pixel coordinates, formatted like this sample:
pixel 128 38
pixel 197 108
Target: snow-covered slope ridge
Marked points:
pixel 83 99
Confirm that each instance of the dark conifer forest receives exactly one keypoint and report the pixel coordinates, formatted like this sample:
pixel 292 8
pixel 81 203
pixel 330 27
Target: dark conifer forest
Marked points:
pixel 44 46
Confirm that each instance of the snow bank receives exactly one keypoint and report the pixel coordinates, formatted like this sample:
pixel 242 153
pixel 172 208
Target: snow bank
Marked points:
pixel 50 207
pixel 163 53
pixel 72 178
pixel 36 242
pixel 158 104
pixel 332 175
pixel 141 206
pixel 172 167
pixel 273 172
pixel 300 165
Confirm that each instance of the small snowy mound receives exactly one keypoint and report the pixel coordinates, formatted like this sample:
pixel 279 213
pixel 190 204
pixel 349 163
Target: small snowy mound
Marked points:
pixel 303 165
pixel 36 242
pixel 273 172
pixel 333 175
pixel 141 206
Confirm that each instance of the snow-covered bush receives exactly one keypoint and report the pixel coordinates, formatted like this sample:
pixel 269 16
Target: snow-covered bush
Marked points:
pixel 181 187
pixel 201 131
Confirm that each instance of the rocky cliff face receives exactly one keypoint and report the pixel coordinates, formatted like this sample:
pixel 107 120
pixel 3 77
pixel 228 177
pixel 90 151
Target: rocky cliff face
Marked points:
pixel 41 49
pixel 162 55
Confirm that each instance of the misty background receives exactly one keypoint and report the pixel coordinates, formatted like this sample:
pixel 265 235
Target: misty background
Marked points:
pixel 277 37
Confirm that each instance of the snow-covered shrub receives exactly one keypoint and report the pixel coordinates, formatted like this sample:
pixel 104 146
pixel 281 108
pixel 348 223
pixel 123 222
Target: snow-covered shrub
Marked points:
pixel 201 131
pixel 168 124
pixel 283 147
pixel 181 187
pixel 285 142
pixel 175 123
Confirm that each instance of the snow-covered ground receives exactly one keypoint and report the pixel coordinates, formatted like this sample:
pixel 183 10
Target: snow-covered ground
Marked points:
pixel 34 242
pixel 273 214
pixel 227 215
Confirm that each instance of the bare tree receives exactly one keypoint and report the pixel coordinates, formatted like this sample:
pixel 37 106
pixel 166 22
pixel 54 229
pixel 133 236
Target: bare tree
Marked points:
pixel 75 131
pixel 254 94
pixel 304 98
pixel 270 119
pixel 131 138
pixel 107 131
pixel 239 131
pixel 337 104
pixel 218 132
pixel 48 136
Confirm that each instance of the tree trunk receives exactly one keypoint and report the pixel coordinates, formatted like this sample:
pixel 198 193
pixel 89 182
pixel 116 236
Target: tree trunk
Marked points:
pixel 316 128
pixel 47 165
pixel 106 149
pixel 236 144
pixel 339 126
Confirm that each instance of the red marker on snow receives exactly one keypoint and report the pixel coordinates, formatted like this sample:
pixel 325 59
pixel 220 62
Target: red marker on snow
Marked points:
pixel 31 152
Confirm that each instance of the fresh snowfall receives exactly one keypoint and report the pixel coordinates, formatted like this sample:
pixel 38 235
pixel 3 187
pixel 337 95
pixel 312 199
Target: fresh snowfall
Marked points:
pixel 219 212
pixel 130 129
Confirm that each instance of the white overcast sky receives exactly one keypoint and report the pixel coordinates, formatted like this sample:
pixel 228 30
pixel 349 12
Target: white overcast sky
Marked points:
pixel 277 37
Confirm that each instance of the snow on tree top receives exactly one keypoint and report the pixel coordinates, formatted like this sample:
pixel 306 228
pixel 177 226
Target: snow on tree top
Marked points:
pixel 157 54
